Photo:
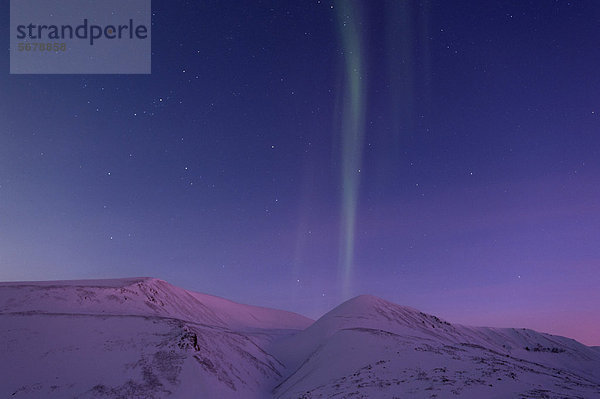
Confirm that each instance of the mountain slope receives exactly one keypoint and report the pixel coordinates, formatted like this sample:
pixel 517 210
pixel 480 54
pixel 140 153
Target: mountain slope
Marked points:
pixel 368 347
pixel 142 296
pixel 144 338
pixel 135 338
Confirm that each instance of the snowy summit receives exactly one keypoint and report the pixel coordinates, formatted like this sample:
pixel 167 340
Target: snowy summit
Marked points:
pixel 144 338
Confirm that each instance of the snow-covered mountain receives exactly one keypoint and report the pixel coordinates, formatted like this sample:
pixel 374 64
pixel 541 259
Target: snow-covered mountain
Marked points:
pixel 144 338
pixel 370 348
pixel 135 338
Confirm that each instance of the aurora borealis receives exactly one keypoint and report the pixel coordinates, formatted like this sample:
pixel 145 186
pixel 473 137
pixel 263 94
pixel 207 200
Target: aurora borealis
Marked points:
pixel 294 154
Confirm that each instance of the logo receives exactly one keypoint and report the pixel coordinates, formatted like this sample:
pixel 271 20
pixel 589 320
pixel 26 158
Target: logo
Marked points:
pixel 80 37
pixel 83 31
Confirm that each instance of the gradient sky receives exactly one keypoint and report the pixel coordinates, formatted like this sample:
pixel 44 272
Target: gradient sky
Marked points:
pixel 441 155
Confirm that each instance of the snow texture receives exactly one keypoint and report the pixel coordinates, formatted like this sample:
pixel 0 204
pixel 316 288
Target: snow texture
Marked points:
pixel 144 338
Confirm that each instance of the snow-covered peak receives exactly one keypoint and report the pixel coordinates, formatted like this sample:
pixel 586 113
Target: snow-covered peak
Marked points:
pixel 142 296
pixel 368 311
pixel 364 312
pixel 149 338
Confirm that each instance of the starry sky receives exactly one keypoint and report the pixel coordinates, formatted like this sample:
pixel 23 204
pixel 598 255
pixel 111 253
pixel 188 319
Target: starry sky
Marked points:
pixel 293 154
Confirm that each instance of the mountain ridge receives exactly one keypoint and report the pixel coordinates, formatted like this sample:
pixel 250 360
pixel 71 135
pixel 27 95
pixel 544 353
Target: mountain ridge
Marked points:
pixel 150 339
pixel 143 296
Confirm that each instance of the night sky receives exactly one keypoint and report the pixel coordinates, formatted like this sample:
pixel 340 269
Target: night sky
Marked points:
pixel 441 155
